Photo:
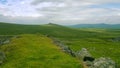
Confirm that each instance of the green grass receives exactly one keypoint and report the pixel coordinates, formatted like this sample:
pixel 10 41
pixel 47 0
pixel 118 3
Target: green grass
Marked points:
pixel 100 45
pixel 36 51
pixel 97 41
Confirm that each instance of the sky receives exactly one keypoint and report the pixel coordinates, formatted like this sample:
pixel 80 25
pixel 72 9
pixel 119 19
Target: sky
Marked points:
pixel 65 12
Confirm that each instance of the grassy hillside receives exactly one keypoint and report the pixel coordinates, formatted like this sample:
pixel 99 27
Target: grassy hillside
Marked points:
pixel 100 42
pixel 51 30
pixel 48 29
pixel 36 51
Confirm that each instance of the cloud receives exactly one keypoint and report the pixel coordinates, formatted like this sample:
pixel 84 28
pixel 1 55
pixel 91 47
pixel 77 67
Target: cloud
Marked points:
pixel 61 11
pixel 77 12
pixel 36 2
pixel 103 1
pixel 24 20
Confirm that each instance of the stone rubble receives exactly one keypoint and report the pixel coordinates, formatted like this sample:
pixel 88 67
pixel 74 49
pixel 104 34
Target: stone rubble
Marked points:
pixel 83 53
pixel 101 62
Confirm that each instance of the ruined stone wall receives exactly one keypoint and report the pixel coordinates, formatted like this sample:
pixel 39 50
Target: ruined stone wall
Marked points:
pixel 88 60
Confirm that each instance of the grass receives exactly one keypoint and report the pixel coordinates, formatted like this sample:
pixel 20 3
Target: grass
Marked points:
pixel 98 41
pixel 100 45
pixel 36 51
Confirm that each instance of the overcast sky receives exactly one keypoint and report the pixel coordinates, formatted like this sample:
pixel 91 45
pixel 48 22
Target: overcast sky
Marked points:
pixel 60 11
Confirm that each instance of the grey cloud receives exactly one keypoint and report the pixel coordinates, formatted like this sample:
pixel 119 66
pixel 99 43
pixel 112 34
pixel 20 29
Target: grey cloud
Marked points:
pixel 36 2
pixel 84 15
pixel 69 12
pixel 24 20
pixel 103 1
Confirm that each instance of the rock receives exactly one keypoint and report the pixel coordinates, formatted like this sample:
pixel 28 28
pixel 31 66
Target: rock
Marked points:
pixel 103 63
pixel 2 57
pixel 61 45
pixel 83 53
pixel 91 62
pixel 88 63
pixel 2 42
pixel 64 47
pixel 68 50
pixel 6 41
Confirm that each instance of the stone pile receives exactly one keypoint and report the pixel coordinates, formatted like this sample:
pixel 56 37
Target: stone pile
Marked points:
pixel 91 62
pixel 103 63
pixel 83 53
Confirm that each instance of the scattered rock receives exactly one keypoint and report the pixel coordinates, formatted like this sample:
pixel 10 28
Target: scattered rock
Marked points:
pixel 91 62
pixel 103 63
pixel 6 42
pixel 88 63
pixel 83 53
pixel 68 50
pixel 64 47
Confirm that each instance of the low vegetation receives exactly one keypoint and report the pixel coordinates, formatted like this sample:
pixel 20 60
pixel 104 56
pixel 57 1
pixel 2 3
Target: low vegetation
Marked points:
pixel 99 42
pixel 36 51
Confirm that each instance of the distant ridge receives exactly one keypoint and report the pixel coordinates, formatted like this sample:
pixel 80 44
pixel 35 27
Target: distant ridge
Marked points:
pixel 101 25
pixel 49 29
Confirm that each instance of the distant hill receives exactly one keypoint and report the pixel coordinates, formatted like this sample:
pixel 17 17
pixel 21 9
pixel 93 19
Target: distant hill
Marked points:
pixel 102 25
pixel 47 29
